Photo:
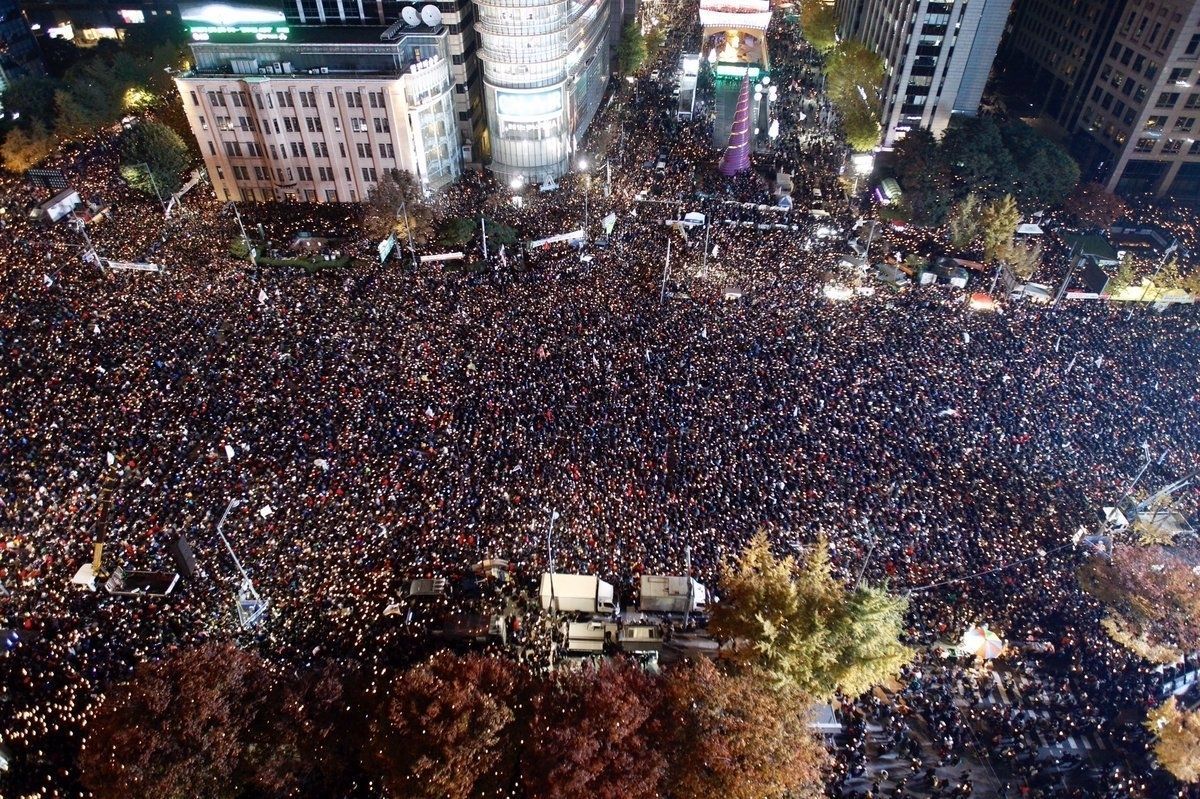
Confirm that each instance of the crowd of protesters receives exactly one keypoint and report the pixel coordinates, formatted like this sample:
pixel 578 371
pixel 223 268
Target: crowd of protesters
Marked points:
pixel 382 423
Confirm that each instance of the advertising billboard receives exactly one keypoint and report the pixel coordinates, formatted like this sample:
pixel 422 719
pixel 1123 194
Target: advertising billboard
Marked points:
pixel 233 22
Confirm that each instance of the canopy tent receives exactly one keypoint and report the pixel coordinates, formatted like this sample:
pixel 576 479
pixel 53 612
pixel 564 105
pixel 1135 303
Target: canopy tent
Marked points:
pixel 982 643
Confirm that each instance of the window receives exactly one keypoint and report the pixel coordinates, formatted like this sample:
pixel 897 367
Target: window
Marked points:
pixel 332 103
pixel 305 173
pixel 1167 100
pixel 290 125
pixel 1156 122
pixel 260 173
pixel 314 124
pixel 224 123
pixel 216 98
pixel 320 149
pixel 195 99
pixel 220 172
pixel 368 173
pixel 1185 124
pixel 203 123
pixel 240 173
pixel 1193 101
pixel 330 195
pixel 386 150
pixel 244 123
pixel 348 174
pixel 285 99
pixel 1195 148
pixel 358 125
pixel 1172 146
pixel 1144 145
pixel 337 128
pixel 342 149
pixel 382 125
pixel 325 172
pixel 212 148
pixel 354 100
pixel 1193 45
pixel 364 150
pixel 298 150
pixel 1180 74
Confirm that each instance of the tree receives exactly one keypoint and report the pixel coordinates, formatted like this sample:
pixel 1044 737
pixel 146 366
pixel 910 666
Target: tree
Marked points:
pixel 1176 739
pixel 396 205
pixel 964 222
pixel 1094 206
pixel 974 152
pixel 156 147
pixel 594 736
pixel 922 175
pixel 851 71
pixel 1024 259
pixel 91 97
pixel 737 736
pixel 449 729
pixel 458 231
pixel 819 24
pixel 1124 277
pixel 200 723
pixel 31 97
pixel 1152 591
pixel 654 42
pixel 25 147
pixel 631 52
pixel 800 627
pixel 499 233
pixel 860 122
pixel 1047 172
pixel 1168 275
pixel 998 224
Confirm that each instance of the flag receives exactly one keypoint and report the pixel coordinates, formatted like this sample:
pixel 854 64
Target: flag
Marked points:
pixel 262 297
pixel 229 452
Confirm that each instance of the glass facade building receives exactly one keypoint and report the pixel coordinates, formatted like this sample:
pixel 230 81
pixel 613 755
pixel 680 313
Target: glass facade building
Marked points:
pixel 545 70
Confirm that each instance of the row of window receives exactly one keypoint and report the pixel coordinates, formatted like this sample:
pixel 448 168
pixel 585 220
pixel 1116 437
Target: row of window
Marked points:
pixel 1169 146
pixel 308 99
pixel 292 124
pixel 289 175
pixel 252 149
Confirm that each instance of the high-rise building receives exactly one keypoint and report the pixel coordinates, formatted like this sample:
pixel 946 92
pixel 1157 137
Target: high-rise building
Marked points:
pixel 319 113
pixel 19 53
pixel 545 70
pixel 938 56
pixel 1122 76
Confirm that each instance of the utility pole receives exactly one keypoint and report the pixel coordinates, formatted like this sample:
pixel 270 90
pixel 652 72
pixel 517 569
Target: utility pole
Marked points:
pixel 553 603
pixel 662 294
pixel 707 235
pixel 245 237
pixel 483 227
pixel 89 254
pixel 1066 281
pixel 687 572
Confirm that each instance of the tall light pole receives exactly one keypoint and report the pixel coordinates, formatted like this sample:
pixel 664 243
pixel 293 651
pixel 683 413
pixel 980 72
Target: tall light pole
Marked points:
pixel 550 566
pixel 250 606
pixel 587 185
pixel 154 183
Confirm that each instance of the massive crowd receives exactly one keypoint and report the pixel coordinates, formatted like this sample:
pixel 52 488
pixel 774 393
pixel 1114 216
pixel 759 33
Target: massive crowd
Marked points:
pixel 382 423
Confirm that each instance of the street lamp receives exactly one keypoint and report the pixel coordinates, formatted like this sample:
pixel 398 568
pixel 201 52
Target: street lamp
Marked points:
pixel 583 167
pixel 517 184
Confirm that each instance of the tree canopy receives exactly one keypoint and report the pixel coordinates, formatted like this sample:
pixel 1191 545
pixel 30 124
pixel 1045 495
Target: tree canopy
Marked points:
pixel 24 147
pixel 396 205
pixel 818 21
pixel 998 223
pixel 152 148
pixel 1094 206
pixel 631 52
pixel 1176 739
pixel 797 624
pixel 853 79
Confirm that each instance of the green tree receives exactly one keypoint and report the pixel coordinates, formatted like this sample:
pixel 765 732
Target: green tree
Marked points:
pixel 1168 275
pixel 851 71
pixel 631 52
pixel 458 231
pixel 654 42
pixel 974 152
pixel 819 24
pixel 1024 259
pixel 998 225
pixel 499 233
pixel 154 145
pixel 736 736
pixel 860 123
pixel 91 97
pixel 1176 739
pixel 923 176
pixel 32 98
pixel 1047 173
pixel 964 222
pixel 25 147
pixel 798 625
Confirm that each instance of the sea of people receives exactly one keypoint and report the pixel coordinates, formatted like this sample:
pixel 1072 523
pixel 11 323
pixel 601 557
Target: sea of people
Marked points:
pixel 382 423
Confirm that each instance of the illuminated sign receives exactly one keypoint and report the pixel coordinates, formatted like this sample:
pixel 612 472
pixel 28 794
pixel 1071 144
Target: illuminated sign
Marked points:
pixel 132 16
pixel 525 105
pixel 736 71
pixel 231 22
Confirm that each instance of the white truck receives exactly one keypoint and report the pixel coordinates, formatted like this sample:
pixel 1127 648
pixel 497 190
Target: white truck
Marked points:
pixel 671 594
pixel 582 593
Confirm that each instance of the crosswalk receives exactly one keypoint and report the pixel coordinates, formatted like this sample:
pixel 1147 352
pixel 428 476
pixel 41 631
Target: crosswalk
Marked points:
pixel 1014 691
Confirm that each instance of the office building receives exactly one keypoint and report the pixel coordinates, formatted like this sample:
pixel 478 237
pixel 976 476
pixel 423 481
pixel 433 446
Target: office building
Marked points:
pixel 938 56
pixel 19 53
pixel 545 70
pixel 1130 97
pixel 87 23
pixel 318 113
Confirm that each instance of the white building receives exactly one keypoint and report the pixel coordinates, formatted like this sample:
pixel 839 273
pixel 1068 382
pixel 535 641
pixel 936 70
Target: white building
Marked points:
pixel 545 69
pixel 938 56
pixel 318 114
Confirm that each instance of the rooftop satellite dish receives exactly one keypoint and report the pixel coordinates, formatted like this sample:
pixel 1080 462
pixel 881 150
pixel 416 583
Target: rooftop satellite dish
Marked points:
pixel 410 16
pixel 431 16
